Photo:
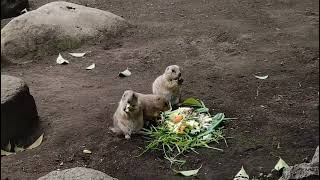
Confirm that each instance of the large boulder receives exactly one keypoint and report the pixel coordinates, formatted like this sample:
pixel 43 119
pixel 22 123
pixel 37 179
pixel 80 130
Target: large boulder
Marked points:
pixel 19 114
pixel 55 27
pixel 307 171
pixel 77 173
pixel 12 8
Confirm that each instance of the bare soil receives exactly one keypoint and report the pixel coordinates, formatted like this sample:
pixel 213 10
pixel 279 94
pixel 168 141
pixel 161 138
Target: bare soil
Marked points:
pixel 220 44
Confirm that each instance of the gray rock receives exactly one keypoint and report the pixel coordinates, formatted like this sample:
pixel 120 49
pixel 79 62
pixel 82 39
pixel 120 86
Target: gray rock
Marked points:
pixel 55 27
pixel 19 114
pixel 77 173
pixel 303 170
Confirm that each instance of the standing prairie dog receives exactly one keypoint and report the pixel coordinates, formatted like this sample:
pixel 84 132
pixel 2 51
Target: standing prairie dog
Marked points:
pixel 128 118
pixel 169 84
pixel 153 105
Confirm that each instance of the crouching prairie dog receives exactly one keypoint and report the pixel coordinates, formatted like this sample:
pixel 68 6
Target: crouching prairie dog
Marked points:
pixel 169 84
pixel 128 118
pixel 153 105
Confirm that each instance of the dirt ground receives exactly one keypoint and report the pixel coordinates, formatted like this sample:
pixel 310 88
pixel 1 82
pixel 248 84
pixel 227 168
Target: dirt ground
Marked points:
pixel 220 45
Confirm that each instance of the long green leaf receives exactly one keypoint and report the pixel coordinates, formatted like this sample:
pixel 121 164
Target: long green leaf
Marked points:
pixel 192 102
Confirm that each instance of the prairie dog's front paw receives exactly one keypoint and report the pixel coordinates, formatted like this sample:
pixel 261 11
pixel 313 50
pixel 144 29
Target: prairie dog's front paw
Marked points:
pixel 140 132
pixel 180 81
pixel 127 136
pixel 112 129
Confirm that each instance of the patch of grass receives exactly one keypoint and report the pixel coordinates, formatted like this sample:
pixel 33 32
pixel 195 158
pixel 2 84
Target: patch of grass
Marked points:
pixel 55 46
pixel 65 44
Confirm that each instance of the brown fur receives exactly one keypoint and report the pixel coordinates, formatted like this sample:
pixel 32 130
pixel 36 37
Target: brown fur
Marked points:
pixel 153 105
pixel 169 84
pixel 128 118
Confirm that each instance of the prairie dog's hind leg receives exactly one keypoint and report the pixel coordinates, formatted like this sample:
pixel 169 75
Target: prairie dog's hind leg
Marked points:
pixel 115 131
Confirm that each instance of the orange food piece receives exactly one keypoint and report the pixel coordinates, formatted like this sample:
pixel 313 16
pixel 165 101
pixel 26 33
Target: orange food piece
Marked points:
pixel 178 118
pixel 181 129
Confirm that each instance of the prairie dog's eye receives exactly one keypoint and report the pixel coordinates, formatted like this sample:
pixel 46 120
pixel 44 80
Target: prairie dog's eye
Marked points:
pixel 173 70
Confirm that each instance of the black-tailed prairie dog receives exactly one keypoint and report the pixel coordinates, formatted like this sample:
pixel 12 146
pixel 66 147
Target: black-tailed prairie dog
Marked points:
pixel 128 118
pixel 169 84
pixel 153 105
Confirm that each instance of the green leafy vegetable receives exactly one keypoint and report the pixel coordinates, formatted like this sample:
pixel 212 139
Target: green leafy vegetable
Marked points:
pixel 192 102
pixel 184 130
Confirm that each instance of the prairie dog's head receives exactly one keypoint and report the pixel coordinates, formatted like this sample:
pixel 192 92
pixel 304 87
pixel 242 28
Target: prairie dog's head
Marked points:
pixel 129 101
pixel 173 72
pixel 162 103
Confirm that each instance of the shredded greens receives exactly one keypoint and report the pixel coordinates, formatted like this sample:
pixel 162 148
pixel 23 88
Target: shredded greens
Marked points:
pixel 184 130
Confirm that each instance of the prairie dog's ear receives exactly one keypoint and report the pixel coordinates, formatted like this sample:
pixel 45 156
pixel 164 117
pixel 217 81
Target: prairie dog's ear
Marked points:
pixel 127 95
pixel 134 98
pixel 124 95
pixel 168 68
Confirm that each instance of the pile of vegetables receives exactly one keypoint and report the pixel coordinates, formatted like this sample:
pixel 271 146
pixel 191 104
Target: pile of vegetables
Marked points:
pixel 185 129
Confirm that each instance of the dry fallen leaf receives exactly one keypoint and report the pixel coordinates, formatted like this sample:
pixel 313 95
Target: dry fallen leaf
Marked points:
pixel 18 149
pixel 61 60
pixel 261 77
pixel 281 165
pixel 24 11
pixel 241 175
pixel 86 151
pixel 77 54
pixel 92 66
pixel 189 172
pixel 8 147
pixel 36 143
pixel 5 153
pixel 125 73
